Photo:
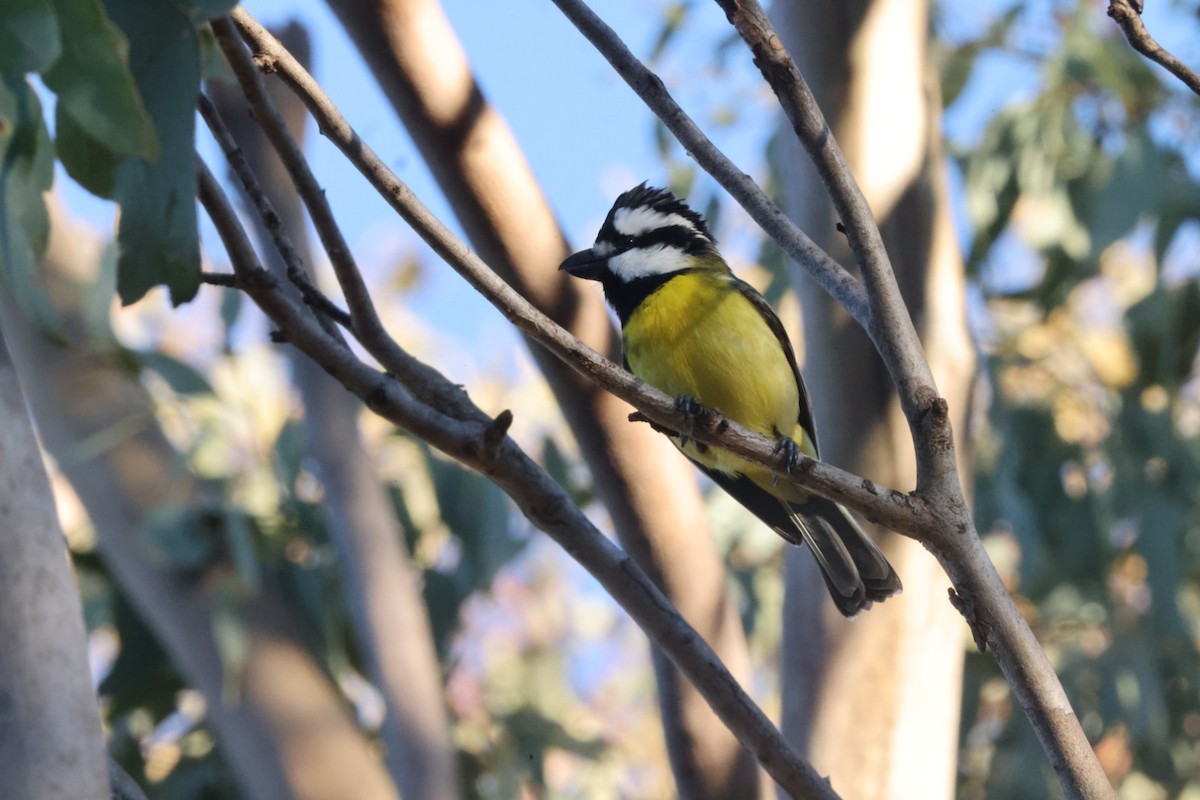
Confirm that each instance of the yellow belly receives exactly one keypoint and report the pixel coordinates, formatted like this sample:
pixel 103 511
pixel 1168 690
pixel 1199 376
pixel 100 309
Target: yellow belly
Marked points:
pixel 699 336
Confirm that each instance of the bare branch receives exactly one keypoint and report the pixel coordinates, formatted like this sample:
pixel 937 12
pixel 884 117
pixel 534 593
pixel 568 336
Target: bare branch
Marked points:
pixel 890 326
pixel 383 590
pixel 648 86
pixel 996 620
pixel 220 279
pixel 326 310
pixel 364 319
pixel 412 50
pixel 936 514
pixel 1128 16
pixel 903 513
pixel 481 445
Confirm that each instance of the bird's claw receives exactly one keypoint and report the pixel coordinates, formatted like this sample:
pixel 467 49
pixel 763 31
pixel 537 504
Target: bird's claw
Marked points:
pixel 791 455
pixel 698 415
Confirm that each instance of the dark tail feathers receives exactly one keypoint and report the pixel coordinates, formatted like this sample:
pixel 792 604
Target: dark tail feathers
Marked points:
pixel 855 571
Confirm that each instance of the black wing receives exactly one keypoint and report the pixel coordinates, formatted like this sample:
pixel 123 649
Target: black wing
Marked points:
pixel 772 319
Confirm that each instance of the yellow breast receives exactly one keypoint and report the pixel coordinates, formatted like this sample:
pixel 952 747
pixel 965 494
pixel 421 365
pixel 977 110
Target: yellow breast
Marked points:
pixel 699 336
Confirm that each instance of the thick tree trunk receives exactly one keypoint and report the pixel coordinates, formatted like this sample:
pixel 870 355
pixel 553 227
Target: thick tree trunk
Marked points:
pixel 383 590
pixel 875 700
pixel 51 744
pixel 288 736
pixel 650 491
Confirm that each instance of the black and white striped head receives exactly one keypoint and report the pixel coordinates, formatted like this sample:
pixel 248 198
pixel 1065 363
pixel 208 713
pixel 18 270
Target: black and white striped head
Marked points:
pixel 649 235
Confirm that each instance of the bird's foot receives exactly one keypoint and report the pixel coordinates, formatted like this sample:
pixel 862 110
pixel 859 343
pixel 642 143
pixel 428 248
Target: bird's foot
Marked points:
pixel 699 417
pixel 791 456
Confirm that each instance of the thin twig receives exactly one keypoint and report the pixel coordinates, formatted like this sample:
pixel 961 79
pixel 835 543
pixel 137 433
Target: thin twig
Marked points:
pixel 484 446
pixel 221 279
pixel 1128 16
pixel 825 270
pixel 366 323
pixel 901 512
pixel 326 310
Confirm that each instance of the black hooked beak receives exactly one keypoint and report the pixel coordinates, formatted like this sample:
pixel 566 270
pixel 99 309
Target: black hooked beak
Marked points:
pixel 585 264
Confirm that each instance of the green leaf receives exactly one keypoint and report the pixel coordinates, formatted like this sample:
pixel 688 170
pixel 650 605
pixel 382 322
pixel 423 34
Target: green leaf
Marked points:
pixel 240 538
pixel 181 377
pixel 26 172
pixel 960 62
pixel 231 636
pixel 1119 190
pixel 213 66
pixel 477 512
pixel 29 37
pixel 142 676
pixel 92 165
pixel 157 234
pixel 93 81
pixel 188 538
pixel 673 19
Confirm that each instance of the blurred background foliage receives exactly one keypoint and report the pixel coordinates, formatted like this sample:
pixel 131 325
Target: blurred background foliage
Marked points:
pixel 1076 177
pixel 1084 219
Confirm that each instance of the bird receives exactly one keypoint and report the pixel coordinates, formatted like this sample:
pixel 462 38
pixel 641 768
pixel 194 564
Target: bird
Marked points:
pixel 695 331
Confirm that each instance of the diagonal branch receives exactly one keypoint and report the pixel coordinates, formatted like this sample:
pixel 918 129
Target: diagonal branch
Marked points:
pixel 368 328
pixel 1128 16
pixel 890 326
pixel 648 86
pixel 901 512
pixel 483 444
pixel 383 591
pixel 978 593
pixel 936 514
pixel 326 310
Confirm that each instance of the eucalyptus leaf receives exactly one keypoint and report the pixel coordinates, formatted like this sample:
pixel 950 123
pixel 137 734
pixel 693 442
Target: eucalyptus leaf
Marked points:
pixel 92 165
pixel 157 233
pixel 26 173
pixel 181 377
pixel 93 81
pixel 29 37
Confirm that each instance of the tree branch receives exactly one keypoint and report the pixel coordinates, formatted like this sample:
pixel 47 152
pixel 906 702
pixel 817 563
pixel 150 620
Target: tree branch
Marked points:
pixel 327 311
pixel 364 319
pixel 648 86
pixel 483 446
pixel 889 325
pixel 995 619
pixel 936 514
pixel 389 614
pixel 1128 16
pixel 901 512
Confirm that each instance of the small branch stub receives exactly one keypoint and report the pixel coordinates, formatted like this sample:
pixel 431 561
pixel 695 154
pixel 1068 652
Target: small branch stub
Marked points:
pixel 494 433
pixel 966 606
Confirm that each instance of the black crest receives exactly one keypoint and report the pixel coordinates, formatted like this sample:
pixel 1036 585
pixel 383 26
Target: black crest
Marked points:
pixel 660 200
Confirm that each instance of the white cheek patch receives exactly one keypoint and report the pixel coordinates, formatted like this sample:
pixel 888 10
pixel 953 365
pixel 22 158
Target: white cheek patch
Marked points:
pixel 636 221
pixel 643 262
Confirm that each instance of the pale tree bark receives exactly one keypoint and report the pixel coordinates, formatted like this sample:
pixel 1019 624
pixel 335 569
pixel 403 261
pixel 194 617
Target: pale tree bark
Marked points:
pixel 649 490
pixel 383 590
pixel 288 735
pixel 51 744
pixel 875 700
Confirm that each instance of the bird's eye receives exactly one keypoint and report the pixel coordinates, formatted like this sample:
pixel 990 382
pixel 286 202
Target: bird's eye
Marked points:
pixel 625 242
